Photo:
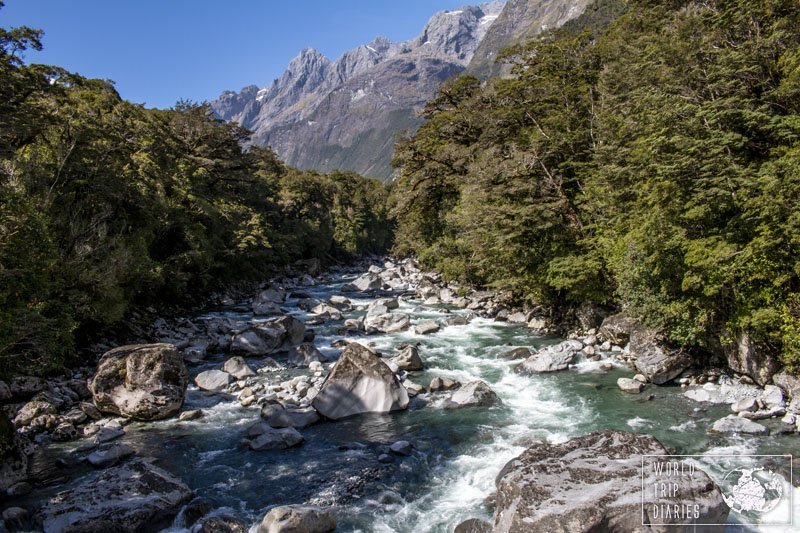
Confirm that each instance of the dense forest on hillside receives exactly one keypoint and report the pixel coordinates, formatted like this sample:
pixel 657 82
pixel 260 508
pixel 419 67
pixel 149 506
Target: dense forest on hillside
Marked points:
pixel 105 205
pixel 651 162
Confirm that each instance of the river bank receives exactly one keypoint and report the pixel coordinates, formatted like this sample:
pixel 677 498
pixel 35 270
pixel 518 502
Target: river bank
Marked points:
pixel 426 466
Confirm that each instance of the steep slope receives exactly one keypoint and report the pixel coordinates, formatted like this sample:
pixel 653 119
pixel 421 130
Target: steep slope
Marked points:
pixel 520 20
pixel 346 114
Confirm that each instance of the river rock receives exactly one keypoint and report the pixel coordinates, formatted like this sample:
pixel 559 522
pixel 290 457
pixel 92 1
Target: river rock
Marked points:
pixel 630 385
pixel 366 282
pixel 440 384
pixel 736 424
pixel 305 354
pixel 142 381
pixel 221 524
pixel 31 410
pixel 745 404
pixel 656 362
pixel 109 455
pixel 269 438
pixel 278 416
pixel 387 322
pixel 456 320
pixel 515 353
pixel 773 397
pixel 237 367
pixel 473 394
pixel 594 483
pixel 401 447
pixel 298 519
pixel 213 380
pixel 274 335
pixel 192 414
pixel 360 382
pixel 408 359
pixel 135 496
pixel 551 358
pixel 268 302
pixel 426 326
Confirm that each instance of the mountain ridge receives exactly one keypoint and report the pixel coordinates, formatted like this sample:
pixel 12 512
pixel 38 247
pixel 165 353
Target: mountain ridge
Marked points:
pixel 345 114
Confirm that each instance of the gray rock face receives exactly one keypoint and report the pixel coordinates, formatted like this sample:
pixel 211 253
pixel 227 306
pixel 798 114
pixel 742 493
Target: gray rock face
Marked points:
pixel 735 424
pixel 521 20
pixel 143 381
pixel 359 383
pixel 297 519
pixel 272 336
pixel 473 394
pixel 345 114
pixel 594 483
pixel 658 363
pixel 747 356
pixel 618 328
pixel 213 380
pixel 134 496
pixel 305 354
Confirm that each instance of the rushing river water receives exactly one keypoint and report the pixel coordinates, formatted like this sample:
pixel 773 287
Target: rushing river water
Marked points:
pixel 457 453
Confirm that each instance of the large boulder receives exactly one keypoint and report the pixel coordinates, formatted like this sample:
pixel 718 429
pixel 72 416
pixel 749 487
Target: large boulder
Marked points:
pixel 595 483
pixel 551 358
pixel 141 381
pixel 304 354
pixel 473 394
pixel 617 328
pixel 135 496
pixel 360 382
pixel 746 355
pixel 654 359
pixel 272 336
pixel 268 302
pixel 298 519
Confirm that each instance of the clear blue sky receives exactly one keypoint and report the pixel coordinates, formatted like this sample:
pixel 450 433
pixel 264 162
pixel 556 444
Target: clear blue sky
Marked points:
pixel 159 51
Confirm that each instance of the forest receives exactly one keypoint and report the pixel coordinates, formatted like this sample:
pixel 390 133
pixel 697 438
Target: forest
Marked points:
pixel 644 158
pixel 106 205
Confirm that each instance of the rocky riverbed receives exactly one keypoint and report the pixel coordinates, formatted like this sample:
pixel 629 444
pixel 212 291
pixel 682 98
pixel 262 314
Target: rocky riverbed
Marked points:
pixel 375 398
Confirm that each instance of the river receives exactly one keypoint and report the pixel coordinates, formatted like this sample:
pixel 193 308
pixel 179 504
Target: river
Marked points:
pixel 457 453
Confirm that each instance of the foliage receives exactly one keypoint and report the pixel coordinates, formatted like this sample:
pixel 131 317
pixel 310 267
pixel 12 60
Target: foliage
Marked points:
pixel 651 161
pixel 106 205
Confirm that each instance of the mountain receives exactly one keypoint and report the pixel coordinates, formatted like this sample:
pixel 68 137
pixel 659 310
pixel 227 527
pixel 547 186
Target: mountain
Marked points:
pixel 346 114
pixel 521 20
